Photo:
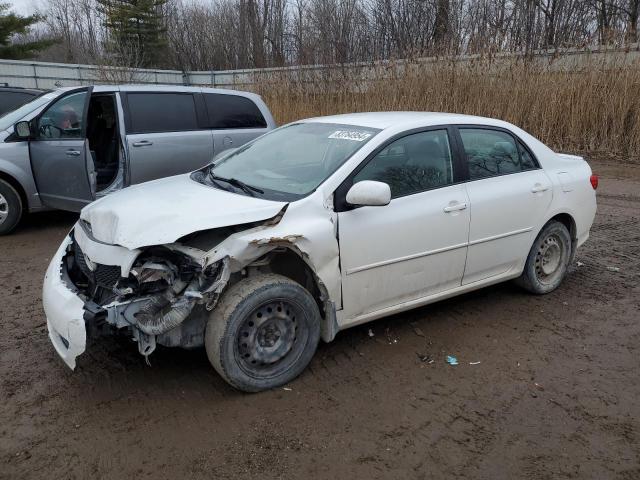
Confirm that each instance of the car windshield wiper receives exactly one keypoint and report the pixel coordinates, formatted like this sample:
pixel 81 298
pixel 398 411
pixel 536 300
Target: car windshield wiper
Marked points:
pixel 249 189
pixel 214 179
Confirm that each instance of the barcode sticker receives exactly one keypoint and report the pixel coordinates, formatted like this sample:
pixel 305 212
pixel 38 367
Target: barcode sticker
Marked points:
pixel 350 135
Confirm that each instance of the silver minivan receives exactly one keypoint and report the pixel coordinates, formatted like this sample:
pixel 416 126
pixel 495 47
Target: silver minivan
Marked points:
pixel 72 145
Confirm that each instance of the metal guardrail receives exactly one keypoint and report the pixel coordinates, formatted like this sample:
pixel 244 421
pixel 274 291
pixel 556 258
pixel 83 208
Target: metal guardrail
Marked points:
pixel 51 75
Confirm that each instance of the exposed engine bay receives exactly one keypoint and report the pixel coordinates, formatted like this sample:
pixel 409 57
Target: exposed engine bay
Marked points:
pixel 162 289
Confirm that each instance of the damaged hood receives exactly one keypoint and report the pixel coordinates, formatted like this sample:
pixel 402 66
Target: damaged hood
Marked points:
pixel 164 210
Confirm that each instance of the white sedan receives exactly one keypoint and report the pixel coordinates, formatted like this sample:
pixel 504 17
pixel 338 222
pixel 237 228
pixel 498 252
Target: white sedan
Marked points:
pixel 318 226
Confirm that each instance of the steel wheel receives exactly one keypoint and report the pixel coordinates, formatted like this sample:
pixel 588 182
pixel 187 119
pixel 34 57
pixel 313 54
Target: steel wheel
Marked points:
pixel 267 341
pixel 4 208
pixel 263 332
pixel 549 259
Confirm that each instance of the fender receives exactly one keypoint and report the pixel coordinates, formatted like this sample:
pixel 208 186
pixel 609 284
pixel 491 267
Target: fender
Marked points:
pixel 19 171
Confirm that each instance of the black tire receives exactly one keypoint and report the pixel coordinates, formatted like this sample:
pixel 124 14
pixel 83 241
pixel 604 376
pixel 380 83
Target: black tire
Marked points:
pixel 548 260
pixel 11 208
pixel 263 332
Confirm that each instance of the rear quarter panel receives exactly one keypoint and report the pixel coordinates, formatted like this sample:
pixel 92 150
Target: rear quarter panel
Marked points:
pixel 235 137
pixel 573 193
pixel 572 190
pixel 224 139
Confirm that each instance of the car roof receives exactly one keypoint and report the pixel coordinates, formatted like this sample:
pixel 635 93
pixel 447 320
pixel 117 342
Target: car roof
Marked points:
pixel 384 120
pixel 32 91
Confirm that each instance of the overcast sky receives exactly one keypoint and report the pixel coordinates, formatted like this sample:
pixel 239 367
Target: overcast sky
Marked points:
pixel 27 7
pixel 23 7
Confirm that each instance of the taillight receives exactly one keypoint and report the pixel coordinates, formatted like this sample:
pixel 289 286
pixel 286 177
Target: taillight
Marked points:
pixel 594 181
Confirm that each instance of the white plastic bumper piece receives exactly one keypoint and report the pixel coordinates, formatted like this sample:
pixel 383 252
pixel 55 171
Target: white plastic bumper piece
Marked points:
pixel 64 311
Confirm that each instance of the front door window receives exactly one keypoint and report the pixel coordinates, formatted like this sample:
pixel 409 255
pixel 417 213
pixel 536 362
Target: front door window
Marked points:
pixel 64 119
pixel 412 164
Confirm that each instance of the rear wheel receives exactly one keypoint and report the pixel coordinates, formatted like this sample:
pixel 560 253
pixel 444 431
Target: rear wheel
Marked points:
pixel 548 260
pixel 10 207
pixel 263 332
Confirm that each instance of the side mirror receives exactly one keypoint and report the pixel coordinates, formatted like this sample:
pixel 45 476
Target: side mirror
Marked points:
pixel 369 193
pixel 22 130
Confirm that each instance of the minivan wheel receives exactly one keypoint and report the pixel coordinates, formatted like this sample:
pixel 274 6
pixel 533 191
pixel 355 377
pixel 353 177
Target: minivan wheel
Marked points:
pixel 263 332
pixel 10 208
pixel 548 260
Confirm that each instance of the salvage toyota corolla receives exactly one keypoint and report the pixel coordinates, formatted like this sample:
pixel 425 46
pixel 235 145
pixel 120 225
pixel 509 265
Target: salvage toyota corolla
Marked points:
pixel 317 226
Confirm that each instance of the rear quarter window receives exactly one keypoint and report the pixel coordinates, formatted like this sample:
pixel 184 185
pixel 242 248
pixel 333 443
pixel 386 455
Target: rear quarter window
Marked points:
pixel 161 112
pixel 233 111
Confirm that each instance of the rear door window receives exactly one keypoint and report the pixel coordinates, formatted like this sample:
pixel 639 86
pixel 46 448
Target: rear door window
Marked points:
pixel 233 111
pixel 491 153
pixel 161 112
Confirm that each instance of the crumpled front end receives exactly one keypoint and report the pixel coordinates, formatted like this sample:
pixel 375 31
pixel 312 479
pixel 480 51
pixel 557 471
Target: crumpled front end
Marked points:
pixel 158 294
pixel 162 294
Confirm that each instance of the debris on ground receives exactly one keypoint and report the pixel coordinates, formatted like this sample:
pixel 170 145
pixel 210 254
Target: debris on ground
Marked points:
pixel 579 264
pixel 474 363
pixel 390 339
pixel 371 334
pixel 286 388
pixel 451 360
pixel 417 330
pixel 425 358
pixel 613 269
pixel 539 387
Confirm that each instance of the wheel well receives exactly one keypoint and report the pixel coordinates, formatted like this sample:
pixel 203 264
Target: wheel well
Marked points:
pixel 568 221
pixel 289 264
pixel 15 184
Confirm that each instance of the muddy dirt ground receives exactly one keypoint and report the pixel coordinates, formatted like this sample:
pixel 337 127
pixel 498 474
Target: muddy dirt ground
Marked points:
pixel 556 393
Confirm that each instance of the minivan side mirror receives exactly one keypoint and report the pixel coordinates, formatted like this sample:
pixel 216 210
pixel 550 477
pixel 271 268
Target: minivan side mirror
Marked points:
pixel 22 130
pixel 369 193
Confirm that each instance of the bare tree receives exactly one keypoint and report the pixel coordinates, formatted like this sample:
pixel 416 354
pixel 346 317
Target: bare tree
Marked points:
pixel 230 34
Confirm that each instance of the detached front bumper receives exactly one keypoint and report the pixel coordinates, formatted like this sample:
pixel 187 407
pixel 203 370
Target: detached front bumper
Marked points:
pixel 64 310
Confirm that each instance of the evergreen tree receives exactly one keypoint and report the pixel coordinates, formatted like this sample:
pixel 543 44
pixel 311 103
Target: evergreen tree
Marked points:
pixel 136 26
pixel 11 25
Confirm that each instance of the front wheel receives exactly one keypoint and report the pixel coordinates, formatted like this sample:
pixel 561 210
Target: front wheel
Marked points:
pixel 263 332
pixel 10 208
pixel 548 260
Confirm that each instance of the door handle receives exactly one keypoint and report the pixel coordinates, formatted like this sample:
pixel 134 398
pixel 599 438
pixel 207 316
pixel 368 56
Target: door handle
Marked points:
pixel 142 143
pixel 538 187
pixel 73 153
pixel 454 208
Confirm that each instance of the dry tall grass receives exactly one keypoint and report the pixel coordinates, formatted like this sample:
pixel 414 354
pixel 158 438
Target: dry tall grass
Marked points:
pixel 591 109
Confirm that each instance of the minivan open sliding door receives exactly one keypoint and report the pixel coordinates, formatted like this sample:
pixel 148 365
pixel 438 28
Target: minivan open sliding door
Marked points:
pixel 60 159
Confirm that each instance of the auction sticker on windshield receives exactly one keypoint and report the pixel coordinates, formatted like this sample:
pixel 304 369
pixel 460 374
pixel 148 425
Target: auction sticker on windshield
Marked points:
pixel 350 135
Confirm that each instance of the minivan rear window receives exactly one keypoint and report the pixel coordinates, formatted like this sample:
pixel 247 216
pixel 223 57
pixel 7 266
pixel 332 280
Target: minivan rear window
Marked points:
pixel 233 111
pixel 162 112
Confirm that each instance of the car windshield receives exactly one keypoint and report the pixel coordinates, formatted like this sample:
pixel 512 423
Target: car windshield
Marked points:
pixel 289 162
pixel 9 118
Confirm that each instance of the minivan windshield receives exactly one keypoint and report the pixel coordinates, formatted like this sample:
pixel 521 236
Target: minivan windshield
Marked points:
pixel 9 118
pixel 289 162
